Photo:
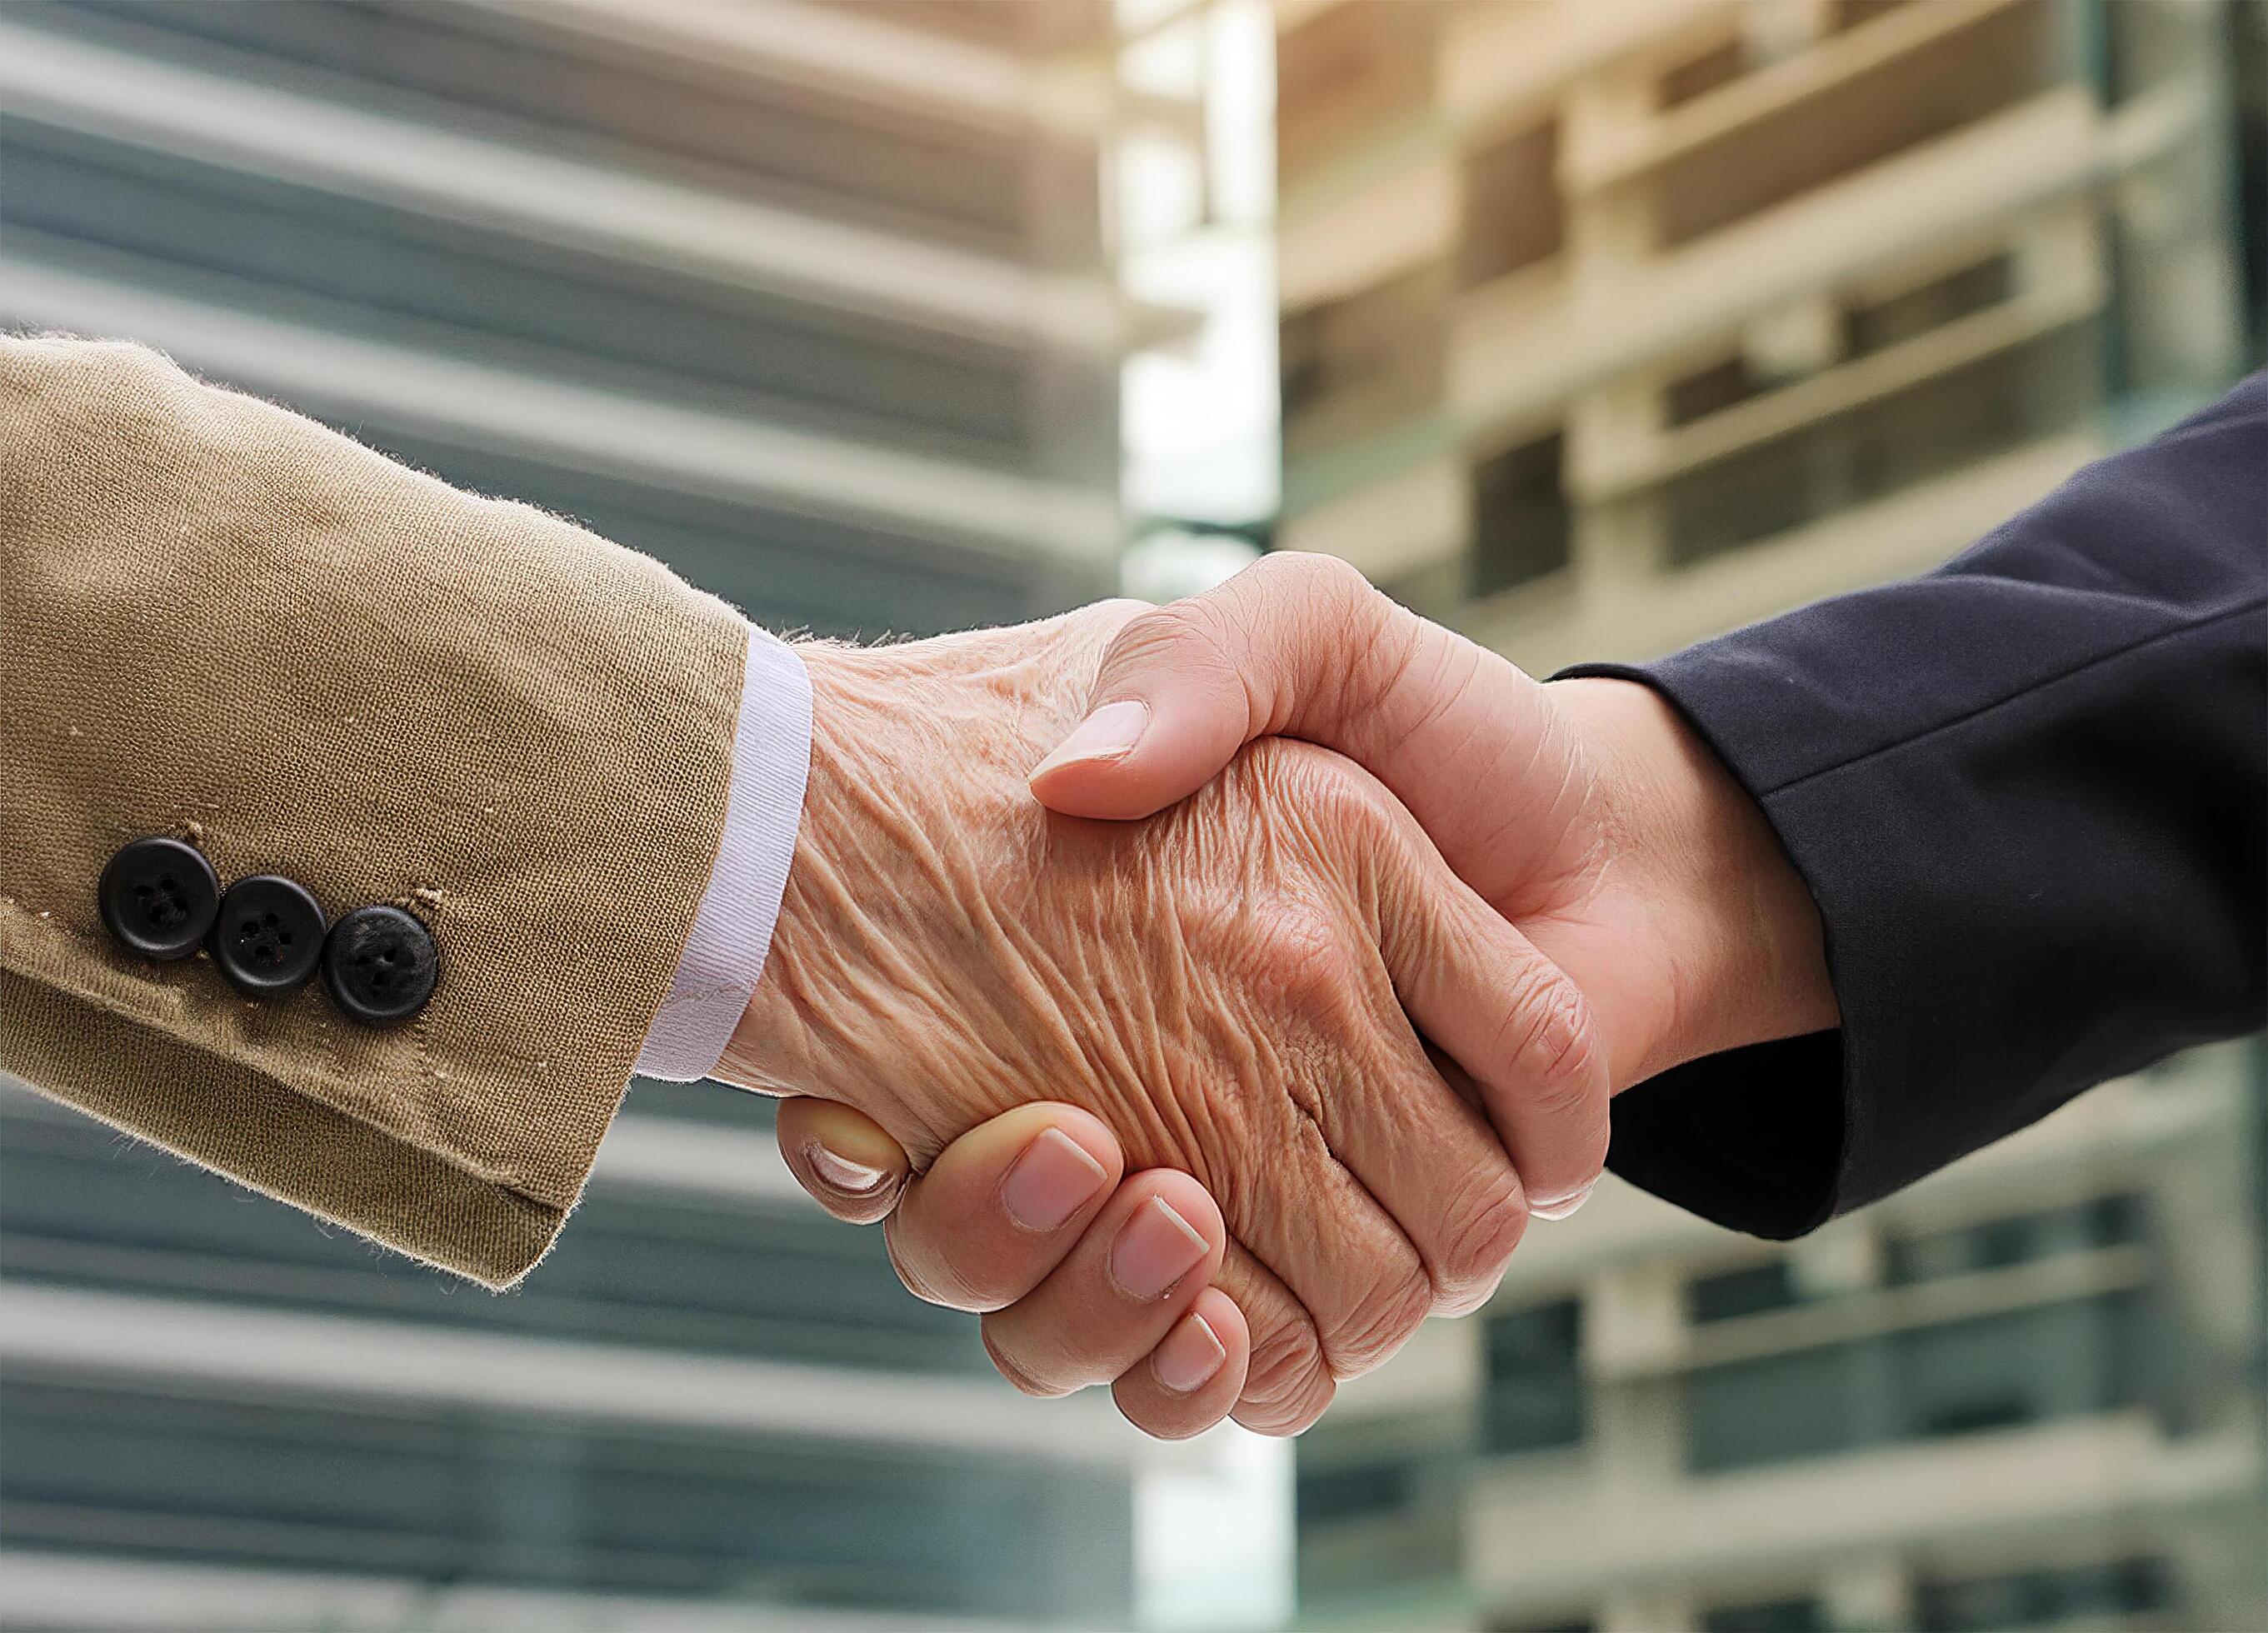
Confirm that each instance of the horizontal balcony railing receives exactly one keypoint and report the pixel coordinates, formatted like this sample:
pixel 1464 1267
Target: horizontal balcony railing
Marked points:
pixel 196 1349
pixel 85 1592
pixel 673 89
pixel 693 1239
pixel 2103 1139
pixel 434 398
pixel 579 314
pixel 1579 1535
pixel 537 189
pixel 489 1477
pixel 1507 361
pixel 884 67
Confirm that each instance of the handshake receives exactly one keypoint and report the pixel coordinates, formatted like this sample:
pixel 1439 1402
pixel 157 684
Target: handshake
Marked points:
pixel 1238 978
pixel 1219 1096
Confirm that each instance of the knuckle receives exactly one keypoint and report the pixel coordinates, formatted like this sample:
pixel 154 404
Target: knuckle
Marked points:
pixel 909 1278
pixel 1487 1215
pixel 929 1278
pixel 1548 1045
pixel 1181 635
pixel 1345 806
pixel 1159 1420
pixel 1315 573
pixel 1343 790
pixel 1287 1371
pixel 1379 1323
pixel 1010 1369
pixel 1299 952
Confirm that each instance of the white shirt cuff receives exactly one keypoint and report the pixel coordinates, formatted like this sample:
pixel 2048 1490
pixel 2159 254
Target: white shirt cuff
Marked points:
pixel 724 956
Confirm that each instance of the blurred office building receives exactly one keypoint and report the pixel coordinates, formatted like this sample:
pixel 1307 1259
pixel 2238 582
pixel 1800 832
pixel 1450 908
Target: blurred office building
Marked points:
pixel 1608 326
pixel 817 302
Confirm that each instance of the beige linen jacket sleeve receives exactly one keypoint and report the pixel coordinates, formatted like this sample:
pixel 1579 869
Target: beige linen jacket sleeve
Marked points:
pixel 222 622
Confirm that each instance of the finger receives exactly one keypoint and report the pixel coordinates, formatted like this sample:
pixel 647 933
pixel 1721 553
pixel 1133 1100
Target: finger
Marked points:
pixel 1512 1018
pixel 1181 688
pixel 1335 1250
pixel 1430 1156
pixel 1287 1382
pixel 850 1166
pixel 1002 1205
pixel 1149 1254
pixel 1302 646
pixel 1192 1380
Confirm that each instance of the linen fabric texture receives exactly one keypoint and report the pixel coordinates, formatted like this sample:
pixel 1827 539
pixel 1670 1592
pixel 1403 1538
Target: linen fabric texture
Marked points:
pixel 223 622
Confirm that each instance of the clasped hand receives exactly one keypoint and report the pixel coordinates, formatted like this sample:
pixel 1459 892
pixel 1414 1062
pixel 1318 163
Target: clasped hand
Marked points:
pixel 1351 1025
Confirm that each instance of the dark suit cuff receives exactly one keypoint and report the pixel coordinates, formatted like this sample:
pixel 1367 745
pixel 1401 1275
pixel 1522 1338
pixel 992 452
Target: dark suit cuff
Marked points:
pixel 1754 1138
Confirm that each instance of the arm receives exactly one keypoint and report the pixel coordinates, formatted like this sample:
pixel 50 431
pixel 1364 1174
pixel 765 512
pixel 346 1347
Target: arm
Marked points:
pixel 2029 794
pixel 2027 791
pixel 224 625
pixel 230 627
pixel 284 654
pixel 1881 881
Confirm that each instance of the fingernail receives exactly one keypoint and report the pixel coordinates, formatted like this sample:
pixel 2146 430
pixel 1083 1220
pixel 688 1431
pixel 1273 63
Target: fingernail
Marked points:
pixel 1155 1249
pixel 1191 1356
pixel 1109 733
pixel 1053 1179
pixel 1560 1207
pixel 853 1179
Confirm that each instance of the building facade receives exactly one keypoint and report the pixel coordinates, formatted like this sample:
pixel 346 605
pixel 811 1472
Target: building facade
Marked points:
pixel 817 303
pixel 1606 327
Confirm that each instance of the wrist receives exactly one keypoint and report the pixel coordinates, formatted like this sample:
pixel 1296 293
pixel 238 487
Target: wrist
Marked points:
pixel 895 942
pixel 1742 954
pixel 785 1043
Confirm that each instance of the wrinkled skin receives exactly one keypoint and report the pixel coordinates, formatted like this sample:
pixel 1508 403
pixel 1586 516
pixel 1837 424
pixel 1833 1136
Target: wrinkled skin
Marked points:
pixel 1583 810
pixel 1224 984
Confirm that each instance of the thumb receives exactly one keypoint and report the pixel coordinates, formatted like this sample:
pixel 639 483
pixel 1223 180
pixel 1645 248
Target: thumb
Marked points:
pixel 1183 688
pixel 843 1158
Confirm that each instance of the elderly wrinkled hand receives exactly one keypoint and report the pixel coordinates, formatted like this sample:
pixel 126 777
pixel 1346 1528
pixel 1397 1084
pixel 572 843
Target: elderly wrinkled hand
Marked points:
pixel 1235 989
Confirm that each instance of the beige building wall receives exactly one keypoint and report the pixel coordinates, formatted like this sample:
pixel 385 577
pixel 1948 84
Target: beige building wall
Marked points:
pixel 1607 326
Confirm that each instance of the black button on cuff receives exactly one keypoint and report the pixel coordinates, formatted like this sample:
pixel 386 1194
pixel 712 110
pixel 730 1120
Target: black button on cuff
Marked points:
pixel 158 897
pixel 267 935
pixel 380 966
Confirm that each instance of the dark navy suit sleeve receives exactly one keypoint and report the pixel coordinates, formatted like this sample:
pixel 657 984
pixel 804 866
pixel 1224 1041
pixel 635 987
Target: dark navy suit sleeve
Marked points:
pixel 2029 794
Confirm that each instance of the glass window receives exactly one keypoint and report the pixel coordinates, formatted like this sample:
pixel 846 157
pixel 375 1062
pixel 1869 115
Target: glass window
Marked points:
pixel 1523 527
pixel 1535 1377
pixel 1995 1244
pixel 1875 449
pixel 1849 14
pixel 1354 1490
pixel 479 1497
pixel 651 1271
pixel 1378 1506
pixel 2094 1592
pixel 1360 364
pixel 2077 1356
pixel 1804 1614
pixel 1872 326
pixel 1722 385
pixel 497 76
pixel 1750 1290
pixel 1512 217
pixel 578 314
pixel 2022 1366
pixel 1782 1408
pixel 1967 74
pixel 1698 76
